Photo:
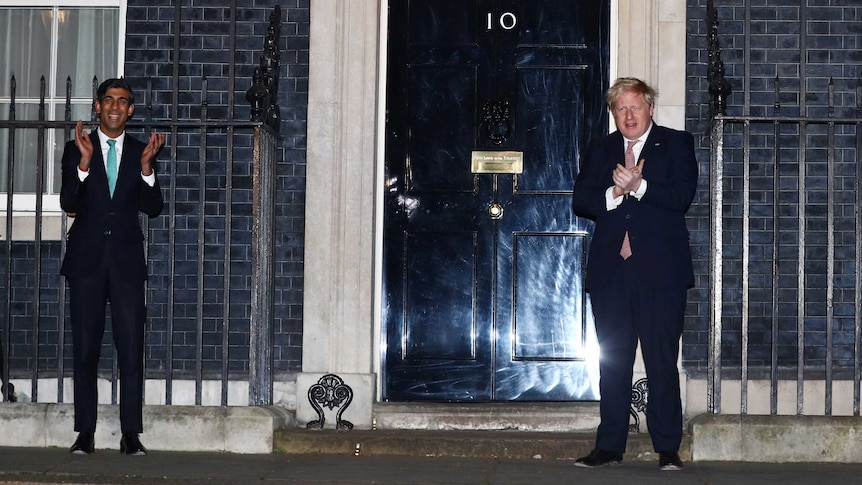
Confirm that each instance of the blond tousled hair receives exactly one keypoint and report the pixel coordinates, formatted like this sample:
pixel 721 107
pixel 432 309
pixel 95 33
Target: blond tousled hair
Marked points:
pixel 629 84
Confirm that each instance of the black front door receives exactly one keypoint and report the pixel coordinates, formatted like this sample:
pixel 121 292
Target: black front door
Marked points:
pixel 484 263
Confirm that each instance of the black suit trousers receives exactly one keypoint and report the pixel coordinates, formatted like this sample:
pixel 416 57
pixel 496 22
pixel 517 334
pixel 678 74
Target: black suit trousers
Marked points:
pixel 88 296
pixel 625 311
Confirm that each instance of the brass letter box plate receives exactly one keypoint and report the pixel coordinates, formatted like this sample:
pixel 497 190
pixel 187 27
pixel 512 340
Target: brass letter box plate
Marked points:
pixel 497 162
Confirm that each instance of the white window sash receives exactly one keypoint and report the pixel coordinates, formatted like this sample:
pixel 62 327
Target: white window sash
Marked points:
pixel 24 204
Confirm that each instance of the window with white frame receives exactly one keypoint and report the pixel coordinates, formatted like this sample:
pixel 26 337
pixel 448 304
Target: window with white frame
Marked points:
pixel 57 40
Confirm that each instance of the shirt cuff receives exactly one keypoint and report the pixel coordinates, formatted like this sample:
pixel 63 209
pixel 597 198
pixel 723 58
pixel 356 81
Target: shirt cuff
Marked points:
pixel 149 179
pixel 612 202
pixel 82 175
pixel 639 193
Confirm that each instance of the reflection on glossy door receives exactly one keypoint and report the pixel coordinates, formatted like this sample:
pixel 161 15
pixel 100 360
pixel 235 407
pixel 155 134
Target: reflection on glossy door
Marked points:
pixel 483 272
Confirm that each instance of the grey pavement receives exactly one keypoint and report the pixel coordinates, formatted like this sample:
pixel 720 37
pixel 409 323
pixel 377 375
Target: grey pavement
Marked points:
pixel 106 466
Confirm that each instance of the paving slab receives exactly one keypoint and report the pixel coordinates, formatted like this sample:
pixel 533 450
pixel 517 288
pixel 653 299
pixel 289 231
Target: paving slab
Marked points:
pixel 56 465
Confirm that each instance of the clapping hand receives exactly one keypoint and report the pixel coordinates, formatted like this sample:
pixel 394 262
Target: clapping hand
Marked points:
pixel 157 141
pixel 85 146
pixel 627 180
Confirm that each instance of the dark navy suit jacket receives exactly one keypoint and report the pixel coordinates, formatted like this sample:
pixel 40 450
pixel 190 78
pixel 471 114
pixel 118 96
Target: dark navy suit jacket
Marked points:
pixel 103 223
pixel 656 224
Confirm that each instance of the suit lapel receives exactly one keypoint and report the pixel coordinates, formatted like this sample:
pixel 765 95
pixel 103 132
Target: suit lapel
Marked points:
pixel 618 152
pixel 97 167
pixel 653 153
pixel 655 143
pixel 122 173
pixel 129 166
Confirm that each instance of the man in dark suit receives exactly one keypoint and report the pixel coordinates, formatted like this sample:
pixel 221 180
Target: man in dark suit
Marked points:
pixel 108 177
pixel 639 267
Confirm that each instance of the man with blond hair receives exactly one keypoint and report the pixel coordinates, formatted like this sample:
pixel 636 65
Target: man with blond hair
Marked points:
pixel 636 184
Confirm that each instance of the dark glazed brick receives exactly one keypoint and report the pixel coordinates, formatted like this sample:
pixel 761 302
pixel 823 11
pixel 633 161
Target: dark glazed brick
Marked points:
pixel 831 53
pixel 149 54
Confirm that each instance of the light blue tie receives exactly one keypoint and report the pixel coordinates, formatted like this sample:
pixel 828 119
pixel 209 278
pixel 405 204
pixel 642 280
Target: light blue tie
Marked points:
pixel 111 167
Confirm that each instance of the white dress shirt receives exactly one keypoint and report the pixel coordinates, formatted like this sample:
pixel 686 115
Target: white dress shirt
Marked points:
pixel 612 202
pixel 103 144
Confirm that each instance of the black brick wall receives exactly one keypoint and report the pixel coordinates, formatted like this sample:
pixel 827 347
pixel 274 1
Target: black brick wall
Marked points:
pixel 205 42
pixel 831 44
pixel 25 346
pixel 204 51
pixel 802 50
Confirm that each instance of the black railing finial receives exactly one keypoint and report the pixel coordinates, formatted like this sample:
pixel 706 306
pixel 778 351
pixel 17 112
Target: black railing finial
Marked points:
pixel 93 115
pixel 13 86
pixel 263 93
pixel 859 98
pixel 719 87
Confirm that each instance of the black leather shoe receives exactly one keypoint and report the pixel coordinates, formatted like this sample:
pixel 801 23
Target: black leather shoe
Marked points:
pixel 84 444
pixel 598 458
pixel 669 461
pixel 130 444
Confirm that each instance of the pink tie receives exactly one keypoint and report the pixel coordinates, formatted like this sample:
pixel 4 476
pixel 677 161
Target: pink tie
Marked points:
pixel 626 250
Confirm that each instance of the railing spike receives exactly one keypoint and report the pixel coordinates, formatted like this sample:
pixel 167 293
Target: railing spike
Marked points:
pixel 859 98
pixel 13 86
pixel 719 87
pixel 42 87
pixel 92 105
pixel 149 98
pixel 263 93
pixel 777 103
pixel 204 83
pixel 67 114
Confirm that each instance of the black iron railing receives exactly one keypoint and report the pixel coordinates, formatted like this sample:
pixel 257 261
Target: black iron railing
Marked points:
pixel 202 161
pixel 786 243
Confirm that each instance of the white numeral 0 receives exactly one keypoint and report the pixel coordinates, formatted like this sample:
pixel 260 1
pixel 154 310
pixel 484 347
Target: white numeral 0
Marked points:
pixel 507 21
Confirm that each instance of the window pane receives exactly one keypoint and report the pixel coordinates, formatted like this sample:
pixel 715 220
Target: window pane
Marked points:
pixel 79 112
pixel 25 49
pixel 87 47
pixel 71 42
pixel 25 152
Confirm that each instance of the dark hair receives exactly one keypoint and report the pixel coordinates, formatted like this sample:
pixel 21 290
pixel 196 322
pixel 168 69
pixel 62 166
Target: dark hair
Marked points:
pixel 115 83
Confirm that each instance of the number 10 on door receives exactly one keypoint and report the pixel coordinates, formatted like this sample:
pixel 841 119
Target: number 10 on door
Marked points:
pixel 507 21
